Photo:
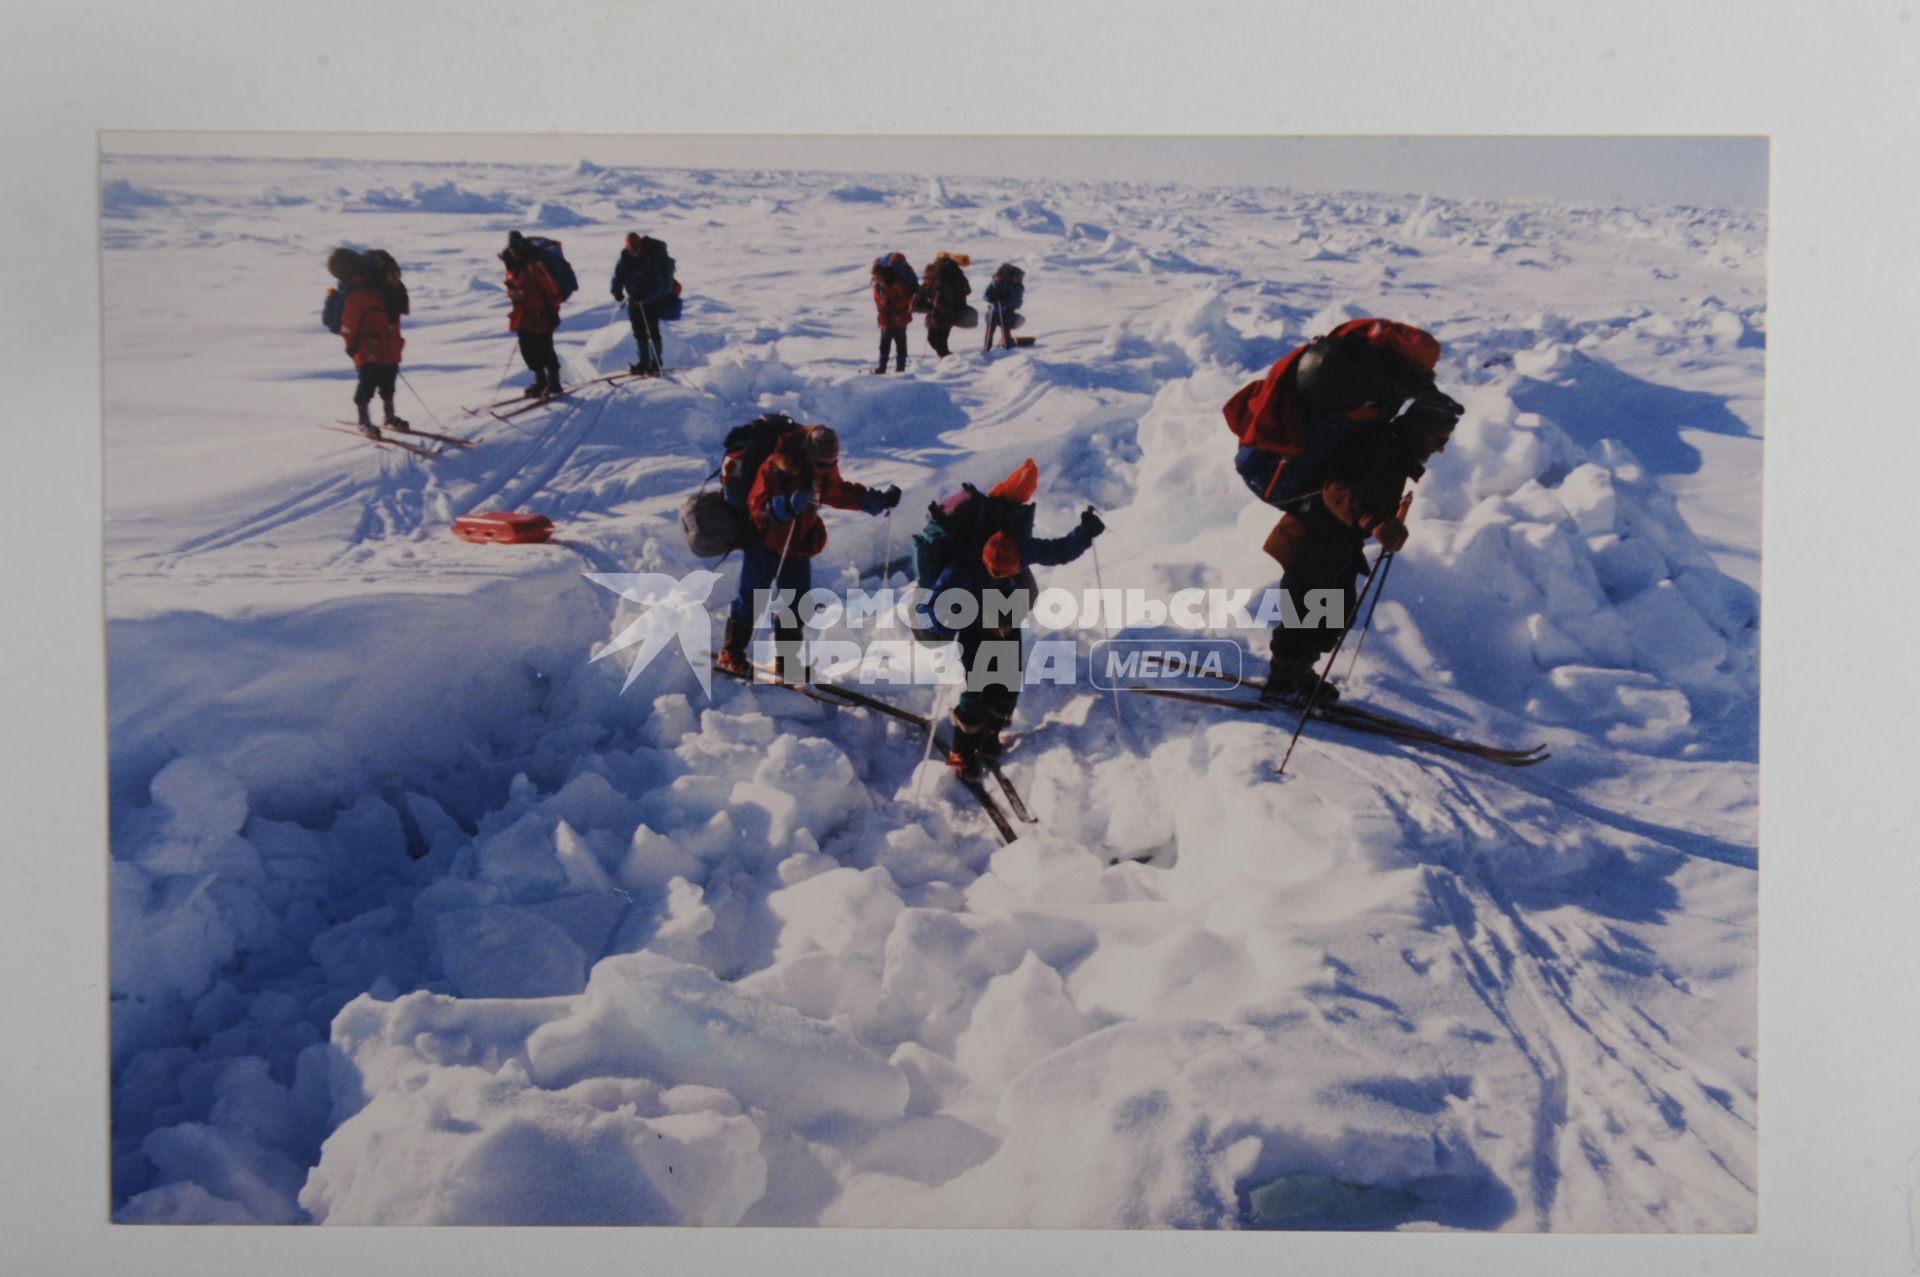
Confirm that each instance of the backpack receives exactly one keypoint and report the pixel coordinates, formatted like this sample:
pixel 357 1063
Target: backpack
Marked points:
pixel 957 527
pixel 1013 288
pixel 384 274
pixel 747 449
pixel 334 311
pixel 715 523
pixel 1373 357
pixel 548 252
pixel 713 528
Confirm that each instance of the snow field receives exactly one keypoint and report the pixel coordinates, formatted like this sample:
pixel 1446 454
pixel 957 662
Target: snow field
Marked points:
pixel 417 919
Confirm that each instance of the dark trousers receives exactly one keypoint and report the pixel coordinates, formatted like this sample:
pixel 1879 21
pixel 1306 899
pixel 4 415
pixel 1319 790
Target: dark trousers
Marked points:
pixel 938 326
pixel 897 339
pixel 994 664
pixel 999 318
pixel 537 350
pixel 646 336
pixel 376 379
pixel 1332 561
pixel 759 566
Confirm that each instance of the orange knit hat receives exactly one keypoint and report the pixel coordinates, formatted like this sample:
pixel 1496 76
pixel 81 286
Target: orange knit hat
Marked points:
pixel 1001 555
pixel 1020 485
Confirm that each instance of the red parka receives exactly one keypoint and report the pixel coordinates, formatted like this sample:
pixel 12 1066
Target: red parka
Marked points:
pixel 371 334
pixel 783 475
pixel 536 300
pixel 893 300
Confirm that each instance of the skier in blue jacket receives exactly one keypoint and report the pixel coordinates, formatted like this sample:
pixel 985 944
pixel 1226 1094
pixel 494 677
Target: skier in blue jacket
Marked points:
pixel 643 278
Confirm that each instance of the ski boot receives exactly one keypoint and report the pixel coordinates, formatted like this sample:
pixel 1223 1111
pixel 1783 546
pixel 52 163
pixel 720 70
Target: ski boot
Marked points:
pixel 365 423
pixel 732 658
pixel 393 420
pixel 969 749
pixel 1292 684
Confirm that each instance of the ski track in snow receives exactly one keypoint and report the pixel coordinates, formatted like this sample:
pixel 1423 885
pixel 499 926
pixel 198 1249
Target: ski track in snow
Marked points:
pixel 394 865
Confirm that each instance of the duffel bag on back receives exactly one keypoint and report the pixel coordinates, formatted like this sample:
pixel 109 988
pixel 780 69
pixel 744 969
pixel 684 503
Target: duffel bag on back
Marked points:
pixel 712 527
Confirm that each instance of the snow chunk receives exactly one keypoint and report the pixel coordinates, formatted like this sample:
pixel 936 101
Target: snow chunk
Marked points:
pixel 1024 1016
pixel 857 194
pixel 1035 217
pixel 648 1015
pixel 842 911
pixel 553 215
pixel 446 197
pixel 462 1146
pixel 507 952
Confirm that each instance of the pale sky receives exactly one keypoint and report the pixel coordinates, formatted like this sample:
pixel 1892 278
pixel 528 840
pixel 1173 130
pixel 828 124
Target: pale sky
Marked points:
pixel 1723 172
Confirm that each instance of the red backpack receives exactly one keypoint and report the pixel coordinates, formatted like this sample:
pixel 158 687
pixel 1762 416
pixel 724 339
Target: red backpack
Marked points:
pixel 1271 414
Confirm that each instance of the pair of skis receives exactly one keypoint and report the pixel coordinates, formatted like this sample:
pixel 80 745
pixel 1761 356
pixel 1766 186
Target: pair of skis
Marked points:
pixel 841 697
pixel 522 403
pixel 1360 719
pixel 386 438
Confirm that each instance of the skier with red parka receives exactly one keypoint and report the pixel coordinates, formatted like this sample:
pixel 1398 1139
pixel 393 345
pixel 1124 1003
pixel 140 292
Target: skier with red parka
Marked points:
pixel 787 533
pixel 365 310
pixel 1330 437
pixel 535 315
pixel 893 287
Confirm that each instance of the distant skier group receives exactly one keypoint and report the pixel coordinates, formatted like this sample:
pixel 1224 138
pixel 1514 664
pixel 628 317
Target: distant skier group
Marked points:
pixel 368 300
pixel 940 292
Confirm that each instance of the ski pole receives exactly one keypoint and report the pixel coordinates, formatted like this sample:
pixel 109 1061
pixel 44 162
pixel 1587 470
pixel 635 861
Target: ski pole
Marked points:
pixel 1386 566
pixel 505 368
pixel 1313 697
pixel 933 725
pixel 1099 583
pixel 886 549
pixel 423 402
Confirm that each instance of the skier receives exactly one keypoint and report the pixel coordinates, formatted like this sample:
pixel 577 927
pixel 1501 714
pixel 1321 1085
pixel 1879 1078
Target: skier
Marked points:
pixel 371 299
pixel 943 296
pixel 990 552
pixel 1005 295
pixel 783 508
pixel 535 314
pixel 1331 437
pixel 643 278
pixel 893 288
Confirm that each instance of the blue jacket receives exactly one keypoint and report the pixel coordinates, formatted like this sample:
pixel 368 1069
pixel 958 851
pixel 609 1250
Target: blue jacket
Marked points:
pixel 642 281
pixel 968 573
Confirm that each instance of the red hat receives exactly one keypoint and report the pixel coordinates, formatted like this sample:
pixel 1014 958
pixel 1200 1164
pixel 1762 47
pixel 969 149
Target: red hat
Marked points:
pixel 1001 555
pixel 1020 485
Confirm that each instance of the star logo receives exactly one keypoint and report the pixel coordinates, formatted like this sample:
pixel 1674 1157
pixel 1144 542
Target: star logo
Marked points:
pixel 675 609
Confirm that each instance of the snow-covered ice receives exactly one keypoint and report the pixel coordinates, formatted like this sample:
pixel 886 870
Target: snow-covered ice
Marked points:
pixel 416 918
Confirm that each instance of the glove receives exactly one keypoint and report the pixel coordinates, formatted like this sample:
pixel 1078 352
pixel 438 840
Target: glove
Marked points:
pixel 795 505
pixel 1391 534
pixel 890 496
pixel 1090 524
pixel 619 296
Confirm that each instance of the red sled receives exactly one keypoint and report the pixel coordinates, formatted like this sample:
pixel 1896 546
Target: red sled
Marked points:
pixel 502 528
